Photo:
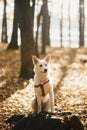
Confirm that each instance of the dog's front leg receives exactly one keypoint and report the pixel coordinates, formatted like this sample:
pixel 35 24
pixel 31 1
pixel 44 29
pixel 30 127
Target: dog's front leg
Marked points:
pixel 38 104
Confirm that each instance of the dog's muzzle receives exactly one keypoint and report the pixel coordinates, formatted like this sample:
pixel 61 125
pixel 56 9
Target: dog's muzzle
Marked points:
pixel 45 70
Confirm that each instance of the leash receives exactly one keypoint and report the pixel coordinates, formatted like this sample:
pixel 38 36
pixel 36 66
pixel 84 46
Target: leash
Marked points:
pixel 42 87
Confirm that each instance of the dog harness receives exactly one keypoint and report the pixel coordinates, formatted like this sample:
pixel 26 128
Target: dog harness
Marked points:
pixel 42 87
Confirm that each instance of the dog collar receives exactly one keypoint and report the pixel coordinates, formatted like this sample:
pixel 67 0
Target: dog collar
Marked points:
pixel 41 86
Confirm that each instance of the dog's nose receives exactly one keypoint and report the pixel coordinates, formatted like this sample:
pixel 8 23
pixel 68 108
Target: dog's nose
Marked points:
pixel 45 70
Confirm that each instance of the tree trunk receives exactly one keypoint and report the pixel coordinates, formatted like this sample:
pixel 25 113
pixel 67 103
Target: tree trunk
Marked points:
pixel 14 39
pixel 45 25
pixel 36 40
pixel 69 23
pixel 81 23
pixel 33 10
pixel 61 24
pixel 46 121
pixel 4 25
pixel 27 40
pixel 27 50
pixel 46 22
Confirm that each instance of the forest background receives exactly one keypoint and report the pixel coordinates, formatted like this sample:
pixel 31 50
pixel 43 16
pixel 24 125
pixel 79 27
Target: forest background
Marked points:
pixel 41 27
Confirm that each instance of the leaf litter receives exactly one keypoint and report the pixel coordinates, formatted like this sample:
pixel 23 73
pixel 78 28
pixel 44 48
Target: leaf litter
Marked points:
pixel 69 72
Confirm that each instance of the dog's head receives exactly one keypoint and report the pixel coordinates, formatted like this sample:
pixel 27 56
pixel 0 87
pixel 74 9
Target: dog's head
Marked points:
pixel 41 67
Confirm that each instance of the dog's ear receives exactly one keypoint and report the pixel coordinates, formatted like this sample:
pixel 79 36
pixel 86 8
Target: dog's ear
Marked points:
pixel 35 59
pixel 47 58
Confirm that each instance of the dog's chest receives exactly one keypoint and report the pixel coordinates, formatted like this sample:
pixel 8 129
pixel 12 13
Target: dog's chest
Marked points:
pixel 42 90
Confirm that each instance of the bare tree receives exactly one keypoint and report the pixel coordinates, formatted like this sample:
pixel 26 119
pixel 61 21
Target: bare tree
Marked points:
pixel 36 40
pixel 61 24
pixel 81 22
pixel 4 25
pixel 45 25
pixel 69 22
pixel 44 14
pixel 14 39
pixel 25 20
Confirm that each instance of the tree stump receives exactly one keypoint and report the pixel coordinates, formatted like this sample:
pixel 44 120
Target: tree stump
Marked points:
pixel 46 121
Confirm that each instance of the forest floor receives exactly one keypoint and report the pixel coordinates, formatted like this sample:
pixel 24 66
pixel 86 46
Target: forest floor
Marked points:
pixel 69 71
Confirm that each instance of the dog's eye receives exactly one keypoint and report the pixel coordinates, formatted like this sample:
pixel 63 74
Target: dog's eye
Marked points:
pixel 40 65
pixel 45 64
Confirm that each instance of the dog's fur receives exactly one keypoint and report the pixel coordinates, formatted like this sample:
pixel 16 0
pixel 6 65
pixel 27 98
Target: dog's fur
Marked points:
pixel 42 76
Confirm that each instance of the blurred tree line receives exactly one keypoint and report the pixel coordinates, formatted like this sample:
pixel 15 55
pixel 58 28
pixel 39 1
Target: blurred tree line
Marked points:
pixel 24 20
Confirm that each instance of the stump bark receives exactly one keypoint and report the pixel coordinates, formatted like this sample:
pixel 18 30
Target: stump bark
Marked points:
pixel 46 121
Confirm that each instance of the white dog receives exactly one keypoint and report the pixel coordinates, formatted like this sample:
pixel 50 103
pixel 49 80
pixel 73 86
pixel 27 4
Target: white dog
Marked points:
pixel 44 95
